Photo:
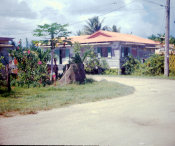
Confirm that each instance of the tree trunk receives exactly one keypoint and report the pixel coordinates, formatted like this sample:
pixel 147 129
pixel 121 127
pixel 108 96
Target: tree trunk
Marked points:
pixel 52 55
pixel 8 79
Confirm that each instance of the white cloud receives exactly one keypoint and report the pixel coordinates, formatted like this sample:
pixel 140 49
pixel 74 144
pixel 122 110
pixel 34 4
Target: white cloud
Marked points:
pixel 20 17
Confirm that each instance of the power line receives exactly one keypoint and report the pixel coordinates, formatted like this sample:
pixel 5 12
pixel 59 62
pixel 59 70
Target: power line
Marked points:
pixel 105 13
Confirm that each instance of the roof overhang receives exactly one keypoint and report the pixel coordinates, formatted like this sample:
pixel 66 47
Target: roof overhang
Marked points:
pixel 6 39
pixel 132 43
pixel 83 44
pixel 95 44
pixel 151 47
pixel 6 46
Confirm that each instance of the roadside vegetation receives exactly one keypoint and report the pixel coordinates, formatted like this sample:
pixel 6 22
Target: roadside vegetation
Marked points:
pixel 153 68
pixel 30 100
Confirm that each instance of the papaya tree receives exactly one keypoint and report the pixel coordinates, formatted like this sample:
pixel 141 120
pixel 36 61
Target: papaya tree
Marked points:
pixel 55 31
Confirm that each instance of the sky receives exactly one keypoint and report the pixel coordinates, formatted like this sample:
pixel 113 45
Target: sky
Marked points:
pixel 140 17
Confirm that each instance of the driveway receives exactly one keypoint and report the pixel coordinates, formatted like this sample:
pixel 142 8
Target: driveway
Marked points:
pixel 144 118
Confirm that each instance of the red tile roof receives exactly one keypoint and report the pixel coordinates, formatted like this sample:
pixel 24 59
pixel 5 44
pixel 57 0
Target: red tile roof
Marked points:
pixel 107 36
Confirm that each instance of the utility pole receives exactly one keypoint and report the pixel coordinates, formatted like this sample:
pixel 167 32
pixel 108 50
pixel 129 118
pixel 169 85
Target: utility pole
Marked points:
pixel 167 33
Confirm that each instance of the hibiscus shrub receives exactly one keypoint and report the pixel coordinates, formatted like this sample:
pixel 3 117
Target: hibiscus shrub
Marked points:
pixel 32 66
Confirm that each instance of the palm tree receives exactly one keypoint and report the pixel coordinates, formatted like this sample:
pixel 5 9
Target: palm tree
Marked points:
pixel 79 32
pixel 93 24
pixel 115 29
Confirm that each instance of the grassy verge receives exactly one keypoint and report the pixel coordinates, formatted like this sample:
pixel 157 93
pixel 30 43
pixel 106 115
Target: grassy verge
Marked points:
pixel 142 76
pixel 28 101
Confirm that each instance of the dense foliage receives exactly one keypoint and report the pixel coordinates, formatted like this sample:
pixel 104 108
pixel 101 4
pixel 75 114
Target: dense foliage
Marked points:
pixel 161 38
pixel 32 66
pixel 88 57
pixel 130 65
pixel 104 64
pixel 92 64
pixel 2 67
pixel 111 72
pixel 78 56
pixel 152 66
pixel 172 65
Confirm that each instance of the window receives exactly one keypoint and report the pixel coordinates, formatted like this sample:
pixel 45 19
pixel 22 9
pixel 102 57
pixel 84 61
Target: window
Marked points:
pixel 61 53
pixel 64 53
pixel 126 51
pixel 104 52
pixel 67 53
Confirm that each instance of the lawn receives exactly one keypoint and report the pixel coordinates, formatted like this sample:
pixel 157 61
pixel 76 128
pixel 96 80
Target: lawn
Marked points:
pixel 143 76
pixel 31 100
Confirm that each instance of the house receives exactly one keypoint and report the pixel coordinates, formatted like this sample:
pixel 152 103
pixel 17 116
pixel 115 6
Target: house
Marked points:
pixel 5 45
pixel 112 46
pixel 161 49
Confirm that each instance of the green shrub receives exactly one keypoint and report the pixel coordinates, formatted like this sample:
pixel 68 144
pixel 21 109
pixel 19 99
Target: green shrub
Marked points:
pixel 152 66
pixel 78 56
pixel 172 65
pixel 2 72
pixel 32 66
pixel 92 64
pixel 76 59
pixel 104 64
pixel 111 72
pixel 130 65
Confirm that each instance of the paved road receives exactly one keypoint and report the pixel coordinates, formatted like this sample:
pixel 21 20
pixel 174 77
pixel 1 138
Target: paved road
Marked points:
pixel 145 118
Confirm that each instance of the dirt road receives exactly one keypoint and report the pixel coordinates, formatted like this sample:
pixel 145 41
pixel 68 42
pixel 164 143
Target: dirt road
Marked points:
pixel 145 118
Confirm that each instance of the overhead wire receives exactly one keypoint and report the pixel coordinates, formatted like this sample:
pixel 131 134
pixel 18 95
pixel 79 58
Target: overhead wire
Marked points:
pixel 105 13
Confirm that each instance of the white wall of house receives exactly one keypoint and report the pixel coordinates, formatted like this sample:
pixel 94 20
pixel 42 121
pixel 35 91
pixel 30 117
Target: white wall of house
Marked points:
pixel 113 58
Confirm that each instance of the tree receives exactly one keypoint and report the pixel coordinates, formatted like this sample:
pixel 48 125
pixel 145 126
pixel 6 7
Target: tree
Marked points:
pixel 78 57
pixel 93 24
pixel 115 29
pixel 55 31
pixel 160 38
pixel 172 40
pixel 2 67
pixel 79 32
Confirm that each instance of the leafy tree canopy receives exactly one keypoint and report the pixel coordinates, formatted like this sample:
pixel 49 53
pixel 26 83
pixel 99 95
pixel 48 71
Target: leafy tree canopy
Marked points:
pixel 52 30
pixel 161 38
pixel 94 24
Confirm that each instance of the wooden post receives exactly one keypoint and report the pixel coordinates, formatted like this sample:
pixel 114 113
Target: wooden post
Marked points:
pixel 8 79
pixel 167 27
pixel 52 55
